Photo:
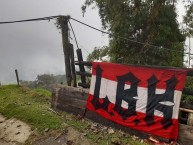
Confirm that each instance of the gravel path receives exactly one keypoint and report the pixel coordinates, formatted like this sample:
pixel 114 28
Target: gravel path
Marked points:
pixel 13 131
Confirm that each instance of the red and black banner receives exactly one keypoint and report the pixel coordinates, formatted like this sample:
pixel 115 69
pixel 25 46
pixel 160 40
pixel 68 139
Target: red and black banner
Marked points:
pixel 141 98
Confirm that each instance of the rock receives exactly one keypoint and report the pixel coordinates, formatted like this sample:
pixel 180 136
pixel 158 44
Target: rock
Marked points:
pixel 76 137
pixel 11 133
pixel 94 126
pixel 82 120
pixel 46 130
pixel 68 118
pixel 69 142
pixel 135 137
pixel 121 133
pixel 17 133
pixel 96 131
pixel 103 128
pixel 65 124
pixel 2 118
pixel 11 122
pixel 110 131
pixel 84 134
pixel 116 141
pixel 28 103
pixel 19 125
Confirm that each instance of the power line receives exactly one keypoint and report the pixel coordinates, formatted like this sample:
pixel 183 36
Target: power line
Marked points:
pixel 53 17
pixel 84 49
pixel 76 40
pixel 90 26
pixel 74 35
pixel 29 20
pixel 130 39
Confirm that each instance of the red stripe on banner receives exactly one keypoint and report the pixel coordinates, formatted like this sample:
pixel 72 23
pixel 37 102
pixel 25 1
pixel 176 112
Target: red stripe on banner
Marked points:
pixel 115 76
pixel 156 128
pixel 111 71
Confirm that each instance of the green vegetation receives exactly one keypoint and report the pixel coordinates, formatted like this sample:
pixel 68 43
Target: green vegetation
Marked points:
pixel 45 81
pixel 32 107
pixel 42 92
pixel 151 22
pixel 188 18
pixel 100 134
pixel 98 53
pixel 187 98
pixel 147 21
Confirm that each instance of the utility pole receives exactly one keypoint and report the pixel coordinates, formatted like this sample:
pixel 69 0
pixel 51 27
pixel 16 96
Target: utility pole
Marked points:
pixel 68 51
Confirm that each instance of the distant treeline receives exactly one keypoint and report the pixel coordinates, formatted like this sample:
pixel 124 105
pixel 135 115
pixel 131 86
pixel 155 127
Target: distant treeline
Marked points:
pixel 47 81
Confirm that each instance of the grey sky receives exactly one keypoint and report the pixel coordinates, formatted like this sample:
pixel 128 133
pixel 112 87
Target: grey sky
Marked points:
pixel 36 47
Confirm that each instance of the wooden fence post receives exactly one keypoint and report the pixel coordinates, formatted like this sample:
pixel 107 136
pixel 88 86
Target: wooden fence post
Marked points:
pixel 17 76
pixel 66 48
pixel 74 84
pixel 81 66
pixel 68 52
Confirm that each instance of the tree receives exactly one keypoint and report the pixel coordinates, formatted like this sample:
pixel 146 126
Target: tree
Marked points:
pixel 148 21
pixel 98 54
pixel 45 79
pixel 188 19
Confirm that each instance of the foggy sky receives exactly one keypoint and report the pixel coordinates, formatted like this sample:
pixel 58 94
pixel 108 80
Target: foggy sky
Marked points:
pixel 36 47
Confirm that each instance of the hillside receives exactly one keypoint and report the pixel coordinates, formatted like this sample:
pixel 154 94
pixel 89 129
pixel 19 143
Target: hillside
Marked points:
pixel 33 108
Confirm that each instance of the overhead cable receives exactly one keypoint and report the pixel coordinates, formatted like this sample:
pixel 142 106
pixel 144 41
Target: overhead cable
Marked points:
pixel 29 20
pixel 131 40
pixel 74 34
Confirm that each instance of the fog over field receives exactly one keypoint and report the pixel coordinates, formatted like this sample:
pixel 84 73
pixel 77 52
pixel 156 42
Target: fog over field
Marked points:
pixel 36 47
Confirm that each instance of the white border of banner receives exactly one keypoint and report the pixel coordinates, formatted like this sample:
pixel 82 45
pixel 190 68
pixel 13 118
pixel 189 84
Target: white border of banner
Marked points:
pixel 109 88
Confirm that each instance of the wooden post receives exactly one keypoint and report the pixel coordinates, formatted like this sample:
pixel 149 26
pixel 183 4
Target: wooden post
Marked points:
pixel 17 76
pixel 81 66
pixel 190 119
pixel 66 48
pixel 74 84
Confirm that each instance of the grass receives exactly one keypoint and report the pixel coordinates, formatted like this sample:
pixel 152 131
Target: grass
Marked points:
pixel 42 92
pixel 31 106
pixel 99 135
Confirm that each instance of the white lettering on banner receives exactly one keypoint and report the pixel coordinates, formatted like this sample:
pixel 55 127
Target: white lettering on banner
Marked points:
pixel 108 89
